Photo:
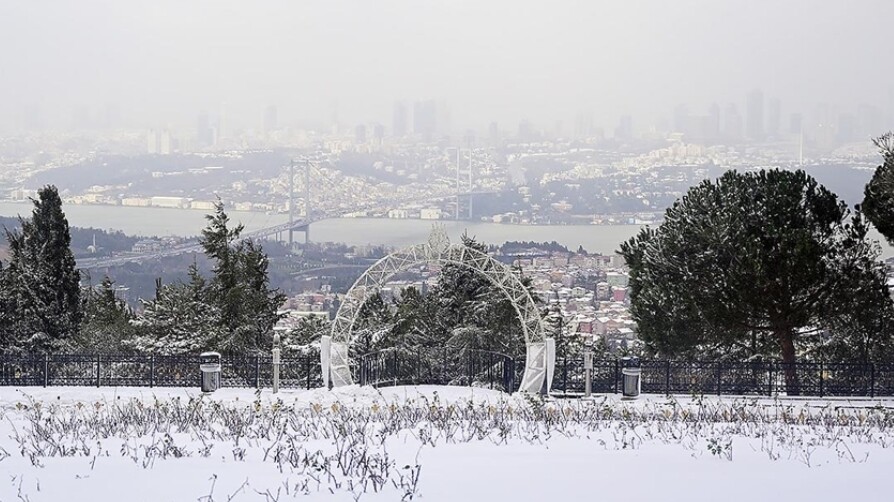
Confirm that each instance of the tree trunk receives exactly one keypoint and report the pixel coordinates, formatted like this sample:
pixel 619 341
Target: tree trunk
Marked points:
pixel 786 339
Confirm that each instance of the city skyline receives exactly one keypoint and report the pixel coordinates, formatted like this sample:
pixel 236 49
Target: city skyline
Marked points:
pixel 507 64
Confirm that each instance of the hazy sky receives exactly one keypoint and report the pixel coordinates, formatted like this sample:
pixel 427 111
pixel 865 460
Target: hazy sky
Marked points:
pixel 162 61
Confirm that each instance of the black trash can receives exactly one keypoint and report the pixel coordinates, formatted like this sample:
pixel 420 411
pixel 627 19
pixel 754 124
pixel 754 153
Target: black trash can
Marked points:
pixel 632 373
pixel 210 367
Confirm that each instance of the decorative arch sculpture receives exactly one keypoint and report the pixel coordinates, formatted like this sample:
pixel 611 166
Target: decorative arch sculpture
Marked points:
pixel 540 350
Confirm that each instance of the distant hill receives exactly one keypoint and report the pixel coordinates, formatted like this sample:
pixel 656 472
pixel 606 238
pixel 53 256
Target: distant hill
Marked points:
pixel 81 238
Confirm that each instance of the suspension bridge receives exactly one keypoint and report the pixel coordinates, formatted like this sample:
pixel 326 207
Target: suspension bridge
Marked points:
pixel 295 223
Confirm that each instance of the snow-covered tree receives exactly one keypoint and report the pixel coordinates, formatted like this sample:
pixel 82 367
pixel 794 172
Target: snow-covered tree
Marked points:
pixel 239 288
pixel 750 264
pixel 180 319
pixel 878 199
pixel 41 284
pixel 106 324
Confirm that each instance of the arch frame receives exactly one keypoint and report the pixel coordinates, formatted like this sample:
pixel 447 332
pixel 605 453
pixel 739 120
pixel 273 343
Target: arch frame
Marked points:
pixel 439 250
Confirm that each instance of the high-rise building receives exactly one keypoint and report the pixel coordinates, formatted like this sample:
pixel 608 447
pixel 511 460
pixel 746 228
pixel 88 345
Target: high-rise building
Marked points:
pixel 624 131
pixel 165 144
pixel 584 124
pixel 774 117
pixel 152 142
pixel 205 134
pixel 732 123
pixel 360 134
pixel 493 135
pixel 525 132
pixel 271 119
pixel 754 115
pixel 400 120
pixel 714 121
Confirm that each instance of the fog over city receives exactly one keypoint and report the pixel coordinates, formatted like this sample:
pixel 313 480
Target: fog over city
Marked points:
pixel 268 250
pixel 159 63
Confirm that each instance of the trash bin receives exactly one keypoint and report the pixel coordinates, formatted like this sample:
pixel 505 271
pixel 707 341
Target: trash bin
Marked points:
pixel 210 367
pixel 631 371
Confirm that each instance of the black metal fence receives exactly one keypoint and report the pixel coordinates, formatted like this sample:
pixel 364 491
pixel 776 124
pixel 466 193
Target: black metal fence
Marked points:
pixel 455 366
pixel 438 366
pixel 153 371
pixel 766 378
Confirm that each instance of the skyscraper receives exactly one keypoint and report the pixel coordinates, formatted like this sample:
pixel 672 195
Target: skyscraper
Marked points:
pixel 584 124
pixel 732 123
pixel 754 115
pixel 152 142
pixel 205 135
pixel 714 121
pixel 399 119
pixel 624 131
pixel 360 134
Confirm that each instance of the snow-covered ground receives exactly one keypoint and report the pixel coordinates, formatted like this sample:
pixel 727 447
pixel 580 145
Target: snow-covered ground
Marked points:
pixel 435 443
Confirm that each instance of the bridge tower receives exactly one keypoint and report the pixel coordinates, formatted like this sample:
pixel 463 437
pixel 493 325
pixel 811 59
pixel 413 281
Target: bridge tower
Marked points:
pixel 307 210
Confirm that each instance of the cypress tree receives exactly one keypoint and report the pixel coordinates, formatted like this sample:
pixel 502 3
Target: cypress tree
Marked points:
pixel 43 282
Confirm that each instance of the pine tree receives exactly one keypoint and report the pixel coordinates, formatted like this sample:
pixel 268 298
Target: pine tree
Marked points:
pixel 106 324
pixel 180 319
pixel 751 263
pixel 240 289
pixel 878 200
pixel 43 295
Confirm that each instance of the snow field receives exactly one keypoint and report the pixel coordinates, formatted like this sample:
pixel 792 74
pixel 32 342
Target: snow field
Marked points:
pixel 434 443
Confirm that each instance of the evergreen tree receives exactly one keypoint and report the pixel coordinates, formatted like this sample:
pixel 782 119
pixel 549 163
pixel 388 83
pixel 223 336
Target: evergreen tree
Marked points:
pixel 240 287
pixel 878 201
pixel 749 265
pixel 180 319
pixel 42 299
pixel 106 324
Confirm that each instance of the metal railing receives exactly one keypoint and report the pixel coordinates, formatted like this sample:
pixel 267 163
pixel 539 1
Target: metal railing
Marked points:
pixel 455 366
pixel 437 366
pixel 765 378
pixel 152 371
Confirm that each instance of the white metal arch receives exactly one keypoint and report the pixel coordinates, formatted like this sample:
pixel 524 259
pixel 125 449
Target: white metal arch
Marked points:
pixel 438 250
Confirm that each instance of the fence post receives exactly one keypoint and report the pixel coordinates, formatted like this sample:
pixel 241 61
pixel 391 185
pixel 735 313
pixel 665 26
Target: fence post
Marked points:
pixel 667 378
pixel 46 369
pixel 719 373
pixel 257 371
pixel 616 375
pixel 152 371
pixel 770 378
pixel 821 379
pixel 871 379
pixel 97 370
pixel 307 370
pixel 565 375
